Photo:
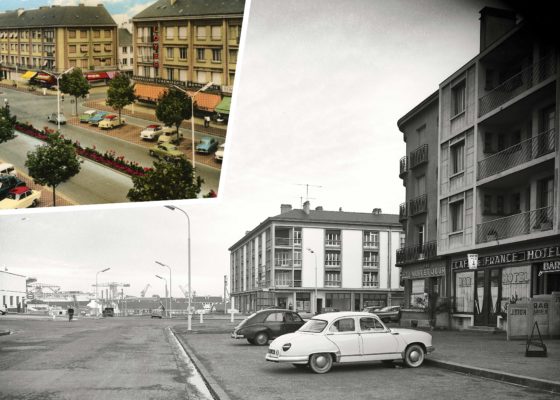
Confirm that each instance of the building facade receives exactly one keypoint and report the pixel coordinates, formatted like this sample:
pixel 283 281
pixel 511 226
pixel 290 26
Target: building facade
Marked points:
pixel 55 38
pixel 312 260
pixel 497 184
pixel 126 51
pixel 12 291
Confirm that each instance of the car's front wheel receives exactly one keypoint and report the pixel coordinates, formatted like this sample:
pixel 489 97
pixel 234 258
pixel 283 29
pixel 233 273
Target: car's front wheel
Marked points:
pixel 261 339
pixel 320 363
pixel 414 356
pixel 251 341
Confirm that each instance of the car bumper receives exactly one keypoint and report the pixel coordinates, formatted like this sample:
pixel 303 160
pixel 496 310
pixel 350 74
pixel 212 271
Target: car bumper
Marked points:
pixel 291 359
pixel 430 349
pixel 236 336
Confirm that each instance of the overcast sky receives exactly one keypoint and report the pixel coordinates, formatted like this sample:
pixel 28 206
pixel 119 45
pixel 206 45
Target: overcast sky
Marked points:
pixel 320 87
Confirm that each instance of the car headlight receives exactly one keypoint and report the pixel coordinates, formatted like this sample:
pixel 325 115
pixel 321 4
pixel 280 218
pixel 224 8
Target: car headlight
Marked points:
pixel 287 346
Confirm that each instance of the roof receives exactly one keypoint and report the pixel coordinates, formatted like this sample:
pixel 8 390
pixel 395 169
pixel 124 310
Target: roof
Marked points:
pixel 148 92
pixel 192 8
pixel 125 37
pixel 426 102
pixel 334 315
pixel 19 190
pixel 57 16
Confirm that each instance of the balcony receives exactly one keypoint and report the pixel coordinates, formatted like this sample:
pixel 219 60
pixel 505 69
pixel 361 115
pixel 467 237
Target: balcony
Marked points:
pixel 418 205
pixel 144 59
pixel 517 84
pixel 419 156
pixel 403 212
pixel 332 243
pixel 370 265
pixel 370 244
pixel 283 263
pixel 417 253
pixel 283 283
pixel 518 154
pixel 515 225
pixel 287 242
pixel 330 264
pixel 333 283
pixel 403 167
pixel 370 284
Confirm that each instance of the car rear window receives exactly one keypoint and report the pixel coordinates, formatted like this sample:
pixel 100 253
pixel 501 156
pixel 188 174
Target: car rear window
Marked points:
pixel 275 317
pixel 313 326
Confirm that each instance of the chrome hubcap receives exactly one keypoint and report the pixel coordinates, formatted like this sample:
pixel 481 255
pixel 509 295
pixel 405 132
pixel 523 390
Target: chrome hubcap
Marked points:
pixel 321 361
pixel 414 356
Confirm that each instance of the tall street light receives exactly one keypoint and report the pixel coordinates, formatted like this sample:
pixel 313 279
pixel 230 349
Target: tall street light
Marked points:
pixel 58 94
pixel 315 254
pixel 96 283
pixel 170 287
pixel 189 317
pixel 161 277
pixel 202 89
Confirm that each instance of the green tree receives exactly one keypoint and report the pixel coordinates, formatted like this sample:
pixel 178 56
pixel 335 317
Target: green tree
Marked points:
pixel 169 180
pixel 173 107
pixel 7 124
pixel 53 163
pixel 120 93
pixel 75 84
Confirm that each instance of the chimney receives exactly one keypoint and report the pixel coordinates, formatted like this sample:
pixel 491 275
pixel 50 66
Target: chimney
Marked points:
pixel 319 208
pixel 494 23
pixel 20 12
pixel 172 2
pixel 376 211
pixel 284 208
pixel 306 207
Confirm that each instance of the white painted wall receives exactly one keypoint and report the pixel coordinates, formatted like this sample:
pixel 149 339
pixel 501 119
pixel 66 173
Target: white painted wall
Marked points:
pixel 352 258
pixel 383 264
pixel 314 239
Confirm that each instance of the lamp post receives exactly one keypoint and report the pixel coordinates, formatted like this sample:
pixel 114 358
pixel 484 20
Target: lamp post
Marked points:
pixel 202 89
pixel 170 286
pixel 96 283
pixel 58 95
pixel 189 317
pixel 315 254
pixel 161 277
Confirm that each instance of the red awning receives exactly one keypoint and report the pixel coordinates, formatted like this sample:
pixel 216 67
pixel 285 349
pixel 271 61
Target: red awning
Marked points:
pixel 205 101
pixel 96 76
pixel 148 92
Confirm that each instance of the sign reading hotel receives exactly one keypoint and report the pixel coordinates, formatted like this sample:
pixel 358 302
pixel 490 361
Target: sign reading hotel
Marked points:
pixel 512 257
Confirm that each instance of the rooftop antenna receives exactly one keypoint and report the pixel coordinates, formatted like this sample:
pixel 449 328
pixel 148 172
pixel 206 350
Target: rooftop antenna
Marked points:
pixel 307 186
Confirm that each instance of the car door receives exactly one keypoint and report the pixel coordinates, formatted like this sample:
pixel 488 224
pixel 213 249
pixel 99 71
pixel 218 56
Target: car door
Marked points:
pixel 274 323
pixel 292 322
pixel 343 333
pixel 377 341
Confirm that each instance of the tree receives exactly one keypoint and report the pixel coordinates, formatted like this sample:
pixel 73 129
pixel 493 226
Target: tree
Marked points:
pixel 53 163
pixel 169 180
pixel 120 93
pixel 7 124
pixel 74 84
pixel 173 107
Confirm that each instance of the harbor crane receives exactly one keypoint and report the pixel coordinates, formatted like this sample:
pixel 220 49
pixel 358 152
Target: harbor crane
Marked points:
pixel 143 292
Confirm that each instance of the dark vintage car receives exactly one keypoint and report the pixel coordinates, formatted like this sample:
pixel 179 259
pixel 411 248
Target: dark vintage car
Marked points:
pixel 108 312
pixel 268 324
pixel 386 314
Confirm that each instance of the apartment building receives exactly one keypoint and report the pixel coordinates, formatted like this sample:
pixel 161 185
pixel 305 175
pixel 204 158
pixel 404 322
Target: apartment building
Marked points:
pixel 12 291
pixel 187 43
pixel 53 39
pixel 312 260
pixel 497 161
pixel 126 51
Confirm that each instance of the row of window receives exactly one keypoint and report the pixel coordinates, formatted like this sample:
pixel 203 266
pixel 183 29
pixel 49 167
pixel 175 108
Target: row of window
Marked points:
pixel 85 62
pixel 26 48
pixel 200 76
pixel 35 34
pixel 95 33
pixel 11 301
pixel 203 32
pixel 84 48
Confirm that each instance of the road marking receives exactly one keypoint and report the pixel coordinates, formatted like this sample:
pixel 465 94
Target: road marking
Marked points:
pixel 18 348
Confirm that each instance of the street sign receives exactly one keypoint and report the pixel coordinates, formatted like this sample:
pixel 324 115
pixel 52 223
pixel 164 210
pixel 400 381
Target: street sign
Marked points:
pixel 473 261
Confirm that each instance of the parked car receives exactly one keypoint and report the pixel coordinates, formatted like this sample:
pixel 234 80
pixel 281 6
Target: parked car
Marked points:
pixel 264 325
pixel 7 183
pixel 7 169
pixel 386 314
pixel 97 118
pixel 169 135
pixel 110 122
pixel 206 145
pixel 167 151
pixel 84 118
pixel 346 337
pixel 219 155
pixel 157 313
pixel 108 312
pixel 56 118
pixel 151 132
pixel 20 197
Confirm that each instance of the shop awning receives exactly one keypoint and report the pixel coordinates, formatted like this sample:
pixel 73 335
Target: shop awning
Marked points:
pixel 28 75
pixel 96 76
pixel 223 107
pixel 206 101
pixel 148 92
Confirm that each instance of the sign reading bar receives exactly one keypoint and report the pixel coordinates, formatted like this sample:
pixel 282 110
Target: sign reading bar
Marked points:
pixel 549 266
pixel 512 257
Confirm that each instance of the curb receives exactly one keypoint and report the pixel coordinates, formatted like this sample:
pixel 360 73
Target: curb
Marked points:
pixel 533 383
pixel 215 389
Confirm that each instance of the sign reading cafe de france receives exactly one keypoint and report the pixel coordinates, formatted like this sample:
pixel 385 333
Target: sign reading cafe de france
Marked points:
pixel 530 255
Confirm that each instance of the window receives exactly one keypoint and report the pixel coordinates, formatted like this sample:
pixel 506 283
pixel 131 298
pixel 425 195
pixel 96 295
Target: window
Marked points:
pixel 72 63
pixel 170 73
pixel 183 53
pixel 457 157
pixel 108 48
pixel 297 237
pixel 421 229
pixel 201 32
pixel 515 285
pixel 96 33
pixel 456 212
pixel 371 239
pixel 371 259
pixel 370 324
pixel 369 279
pixel 170 32
pixel 487 204
pixel 332 238
pixel 107 33
pixel 275 317
pixel 97 48
pixel 216 32
pixel 72 33
pixel 421 185
pixel 464 291
pixel 216 55
pixel 418 294
pixel 200 54
pixel 488 142
pixel 332 279
pixel 169 53
pixel 201 77
pixel 183 75
pixel 84 63
pixel 421 134
pixel 516 203
pixel 182 32
pixel 402 237
pixel 332 258
pixel 124 61
pixel 124 49
pixel 216 78
pixel 458 98
pixel 235 32
pixel 233 56
pixel 343 325
pixel 83 34
pixel 500 205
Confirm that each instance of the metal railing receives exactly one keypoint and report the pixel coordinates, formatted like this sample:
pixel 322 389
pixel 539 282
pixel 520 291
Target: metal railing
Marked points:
pixel 370 264
pixel 403 167
pixel 417 253
pixel 418 205
pixel 370 284
pixel 370 244
pixel 518 154
pixel 332 243
pixel 288 242
pixel 331 283
pixel 333 263
pixel 515 225
pixel 419 156
pixel 403 212
pixel 517 84
pixel 283 262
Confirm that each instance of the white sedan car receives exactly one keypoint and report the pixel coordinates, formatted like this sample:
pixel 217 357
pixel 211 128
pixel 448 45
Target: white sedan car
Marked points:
pixel 349 337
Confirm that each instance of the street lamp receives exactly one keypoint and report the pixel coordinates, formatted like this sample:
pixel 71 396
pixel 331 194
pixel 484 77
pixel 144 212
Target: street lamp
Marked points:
pixel 161 277
pixel 202 89
pixel 96 283
pixel 189 317
pixel 315 254
pixel 58 94
pixel 170 286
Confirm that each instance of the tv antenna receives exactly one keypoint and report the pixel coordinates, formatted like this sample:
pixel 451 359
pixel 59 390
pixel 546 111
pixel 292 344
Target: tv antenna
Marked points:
pixel 307 186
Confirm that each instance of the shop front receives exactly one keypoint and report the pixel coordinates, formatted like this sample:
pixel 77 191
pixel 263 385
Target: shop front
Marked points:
pixel 483 292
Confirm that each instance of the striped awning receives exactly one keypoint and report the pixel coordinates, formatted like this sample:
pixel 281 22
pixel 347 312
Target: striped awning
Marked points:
pixel 28 75
pixel 148 92
pixel 206 101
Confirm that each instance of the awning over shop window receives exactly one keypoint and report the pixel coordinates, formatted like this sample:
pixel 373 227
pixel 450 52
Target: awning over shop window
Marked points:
pixel 96 76
pixel 148 92
pixel 223 107
pixel 206 101
pixel 28 75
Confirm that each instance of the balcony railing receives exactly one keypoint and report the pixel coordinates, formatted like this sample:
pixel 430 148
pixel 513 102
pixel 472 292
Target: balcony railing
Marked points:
pixel 336 283
pixel 332 263
pixel 283 262
pixel 518 154
pixel 283 283
pixel 287 242
pixel 332 243
pixel 419 156
pixel 370 284
pixel 370 265
pixel 517 84
pixel 370 244
pixel 416 253
pixel 403 212
pixel 515 225
pixel 418 205
pixel 403 167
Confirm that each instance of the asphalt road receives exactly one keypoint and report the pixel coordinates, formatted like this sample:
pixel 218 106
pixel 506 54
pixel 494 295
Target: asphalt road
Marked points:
pixel 111 358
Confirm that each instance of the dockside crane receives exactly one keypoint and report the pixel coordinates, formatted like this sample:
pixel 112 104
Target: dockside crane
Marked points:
pixel 143 292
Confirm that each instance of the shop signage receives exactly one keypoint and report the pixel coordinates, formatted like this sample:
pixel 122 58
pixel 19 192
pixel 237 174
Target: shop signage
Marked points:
pixel 511 257
pixel 473 260
pixel 155 40
pixel 549 266
pixel 423 272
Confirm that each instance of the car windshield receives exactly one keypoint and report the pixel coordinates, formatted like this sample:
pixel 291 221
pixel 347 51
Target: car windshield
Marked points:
pixel 385 309
pixel 313 326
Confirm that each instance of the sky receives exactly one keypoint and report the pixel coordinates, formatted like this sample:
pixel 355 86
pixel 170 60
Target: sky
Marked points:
pixel 318 92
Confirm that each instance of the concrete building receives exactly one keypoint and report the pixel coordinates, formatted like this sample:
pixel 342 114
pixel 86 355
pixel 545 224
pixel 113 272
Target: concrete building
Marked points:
pixel 312 260
pixel 498 192
pixel 12 291
pixel 126 51
pixel 55 38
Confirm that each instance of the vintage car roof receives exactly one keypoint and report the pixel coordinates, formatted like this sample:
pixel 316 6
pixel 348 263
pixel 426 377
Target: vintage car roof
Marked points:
pixel 334 315
pixel 19 190
pixel 152 126
pixel 110 117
